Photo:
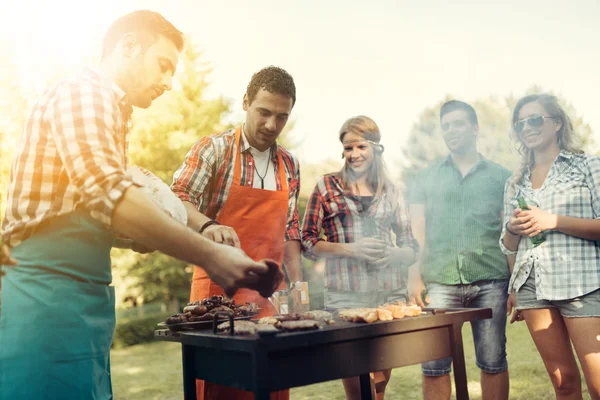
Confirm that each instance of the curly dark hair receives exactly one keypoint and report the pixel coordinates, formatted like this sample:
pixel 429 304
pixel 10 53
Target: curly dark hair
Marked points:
pixel 147 24
pixel 273 80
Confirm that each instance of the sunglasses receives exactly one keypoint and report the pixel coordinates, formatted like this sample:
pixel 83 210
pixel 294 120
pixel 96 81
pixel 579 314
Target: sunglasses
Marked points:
pixel 535 121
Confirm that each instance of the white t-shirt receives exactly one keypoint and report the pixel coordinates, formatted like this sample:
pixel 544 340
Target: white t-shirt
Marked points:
pixel 262 161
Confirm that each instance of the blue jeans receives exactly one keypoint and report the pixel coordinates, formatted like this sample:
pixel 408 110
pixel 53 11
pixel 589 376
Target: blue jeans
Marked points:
pixel 489 335
pixel 585 306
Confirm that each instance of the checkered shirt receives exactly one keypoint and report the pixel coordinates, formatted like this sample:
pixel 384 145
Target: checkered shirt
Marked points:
pixel 565 266
pixel 71 155
pixel 342 218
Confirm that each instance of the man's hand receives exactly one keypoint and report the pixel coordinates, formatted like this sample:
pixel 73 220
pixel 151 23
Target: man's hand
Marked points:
pixel 369 249
pixel 5 257
pixel 222 234
pixel 511 307
pixel 232 269
pixel 416 287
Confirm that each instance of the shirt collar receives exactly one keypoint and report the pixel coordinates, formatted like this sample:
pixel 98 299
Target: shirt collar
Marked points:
pixel 245 146
pixel 565 154
pixel 481 163
pixel 118 94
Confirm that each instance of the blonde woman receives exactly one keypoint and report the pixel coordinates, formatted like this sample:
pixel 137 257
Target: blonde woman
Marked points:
pixel 554 234
pixel 358 208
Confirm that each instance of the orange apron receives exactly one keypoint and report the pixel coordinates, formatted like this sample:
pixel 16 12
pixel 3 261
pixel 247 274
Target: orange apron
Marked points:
pixel 259 218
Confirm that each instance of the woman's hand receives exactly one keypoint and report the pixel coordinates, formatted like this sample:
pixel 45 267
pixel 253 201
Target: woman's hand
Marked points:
pixel 511 308
pixel 543 220
pixel 525 223
pixel 368 249
pixel 393 256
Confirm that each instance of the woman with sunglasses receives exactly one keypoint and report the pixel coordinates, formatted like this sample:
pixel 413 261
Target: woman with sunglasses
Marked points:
pixel 552 229
pixel 358 208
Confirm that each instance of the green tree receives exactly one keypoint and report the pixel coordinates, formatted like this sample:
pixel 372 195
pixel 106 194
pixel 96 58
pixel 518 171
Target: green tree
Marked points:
pixel 425 144
pixel 159 141
pixel 14 105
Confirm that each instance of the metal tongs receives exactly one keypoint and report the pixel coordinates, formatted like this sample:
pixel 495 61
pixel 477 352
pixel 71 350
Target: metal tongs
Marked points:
pixel 274 300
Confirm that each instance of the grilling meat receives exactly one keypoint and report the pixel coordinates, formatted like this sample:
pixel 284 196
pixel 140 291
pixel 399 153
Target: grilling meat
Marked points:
pixel 269 282
pixel 319 315
pixel 301 325
pixel 205 309
pixel 367 315
pixel 242 328
pixel 384 315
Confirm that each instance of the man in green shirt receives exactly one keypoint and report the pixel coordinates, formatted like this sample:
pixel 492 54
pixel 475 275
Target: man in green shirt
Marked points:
pixel 456 212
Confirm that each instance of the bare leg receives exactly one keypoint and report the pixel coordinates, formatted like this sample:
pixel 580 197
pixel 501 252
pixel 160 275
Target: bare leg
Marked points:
pixel 585 334
pixel 494 386
pixel 551 338
pixel 352 388
pixel 436 387
pixel 381 379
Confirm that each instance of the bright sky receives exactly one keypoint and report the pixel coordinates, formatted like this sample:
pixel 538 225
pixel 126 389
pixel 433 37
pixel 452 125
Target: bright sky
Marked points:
pixel 386 59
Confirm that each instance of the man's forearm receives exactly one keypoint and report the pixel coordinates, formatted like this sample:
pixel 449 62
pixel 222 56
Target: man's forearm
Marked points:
pixel 194 217
pixel 140 220
pixel 292 261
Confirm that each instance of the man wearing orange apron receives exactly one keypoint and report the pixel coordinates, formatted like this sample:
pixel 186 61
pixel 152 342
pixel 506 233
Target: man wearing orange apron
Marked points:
pixel 248 183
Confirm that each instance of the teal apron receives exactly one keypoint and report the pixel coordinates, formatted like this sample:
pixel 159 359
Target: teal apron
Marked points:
pixel 58 314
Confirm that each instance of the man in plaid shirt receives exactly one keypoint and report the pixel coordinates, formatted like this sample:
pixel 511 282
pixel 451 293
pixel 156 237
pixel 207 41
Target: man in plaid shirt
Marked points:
pixel 248 183
pixel 68 192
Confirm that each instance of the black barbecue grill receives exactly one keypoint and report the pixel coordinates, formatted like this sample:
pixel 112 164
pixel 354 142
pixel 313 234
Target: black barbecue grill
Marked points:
pixel 268 362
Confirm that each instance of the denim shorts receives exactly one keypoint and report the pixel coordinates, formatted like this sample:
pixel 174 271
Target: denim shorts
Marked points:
pixel 335 300
pixel 489 335
pixel 584 306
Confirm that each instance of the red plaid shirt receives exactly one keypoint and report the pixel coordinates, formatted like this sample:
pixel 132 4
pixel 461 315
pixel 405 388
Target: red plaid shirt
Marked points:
pixel 205 177
pixel 72 155
pixel 342 218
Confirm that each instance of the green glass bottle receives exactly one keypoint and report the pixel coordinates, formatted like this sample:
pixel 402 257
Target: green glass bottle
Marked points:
pixel 540 237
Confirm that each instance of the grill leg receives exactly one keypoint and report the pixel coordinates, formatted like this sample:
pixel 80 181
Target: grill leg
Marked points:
pixel 365 387
pixel 262 394
pixel 189 377
pixel 458 362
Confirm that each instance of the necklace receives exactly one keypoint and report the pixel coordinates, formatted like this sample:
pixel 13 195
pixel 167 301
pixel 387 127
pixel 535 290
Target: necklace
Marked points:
pixel 262 178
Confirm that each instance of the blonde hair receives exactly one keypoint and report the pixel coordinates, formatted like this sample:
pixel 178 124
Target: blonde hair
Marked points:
pixel 567 139
pixel 377 178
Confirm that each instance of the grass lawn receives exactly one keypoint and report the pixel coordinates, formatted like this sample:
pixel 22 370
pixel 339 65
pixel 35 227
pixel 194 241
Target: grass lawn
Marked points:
pixel 153 371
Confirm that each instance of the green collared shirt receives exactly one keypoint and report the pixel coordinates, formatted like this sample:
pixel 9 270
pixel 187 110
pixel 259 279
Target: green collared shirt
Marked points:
pixel 463 221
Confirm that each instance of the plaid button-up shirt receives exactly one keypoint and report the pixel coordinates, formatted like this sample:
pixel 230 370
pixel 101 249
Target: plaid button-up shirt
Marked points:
pixel 565 266
pixel 340 214
pixel 204 179
pixel 72 155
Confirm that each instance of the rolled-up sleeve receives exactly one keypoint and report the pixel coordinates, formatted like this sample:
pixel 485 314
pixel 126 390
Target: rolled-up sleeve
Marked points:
pixel 191 179
pixel 508 210
pixel 312 223
pixel 292 231
pixel 83 122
